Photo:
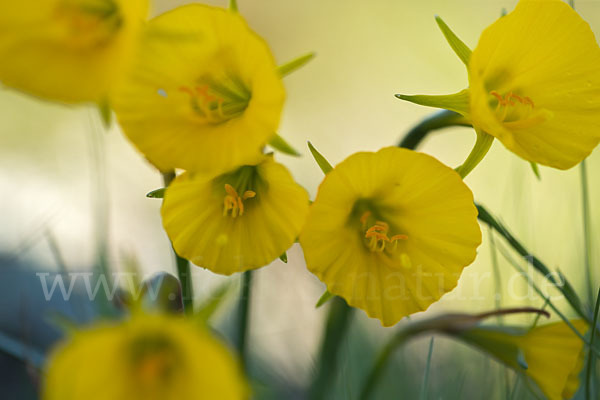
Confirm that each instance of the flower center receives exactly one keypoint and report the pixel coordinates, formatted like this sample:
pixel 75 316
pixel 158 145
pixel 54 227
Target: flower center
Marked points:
pixel 217 101
pixel 88 23
pixel 233 203
pixel 154 359
pixel 517 112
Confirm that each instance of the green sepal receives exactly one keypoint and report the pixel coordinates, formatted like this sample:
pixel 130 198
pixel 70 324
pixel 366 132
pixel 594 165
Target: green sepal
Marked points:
pixel 283 257
pixel 322 161
pixel 297 63
pixel 536 170
pixel 499 342
pixel 157 194
pixel 279 144
pixel 460 48
pixel 105 113
pixel 457 102
pixel 325 297
pixel 482 146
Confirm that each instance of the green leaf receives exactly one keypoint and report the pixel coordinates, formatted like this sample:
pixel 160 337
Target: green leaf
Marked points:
pixel 462 50
pixel 482 146
pixel 536 170
pixel 457 102
pixel 279 144
pixel 157 194
pixel 283 257
pixel 322 161
pixel 291 66
pixel 325 297
pixel 105 113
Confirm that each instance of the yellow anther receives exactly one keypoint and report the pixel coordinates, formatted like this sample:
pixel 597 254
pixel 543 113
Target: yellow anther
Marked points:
pixel 233 204
pixel 378 236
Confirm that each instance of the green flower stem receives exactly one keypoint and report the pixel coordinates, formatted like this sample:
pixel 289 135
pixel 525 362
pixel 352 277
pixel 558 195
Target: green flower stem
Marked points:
pixel 183 265
pixel 244 314
pixel 587 234
pixel 439 120
pixel 336 327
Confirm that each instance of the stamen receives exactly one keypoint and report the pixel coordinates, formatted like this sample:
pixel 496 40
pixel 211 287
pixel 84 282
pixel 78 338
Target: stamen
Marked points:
pixel 378 235
pixel 518 112
pixel 233 204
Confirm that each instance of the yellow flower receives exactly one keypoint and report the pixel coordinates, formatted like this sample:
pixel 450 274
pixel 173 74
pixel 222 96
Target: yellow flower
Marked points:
pixel 391 232
pixel 535 83
pixel 150 357
pixel 204 95
pixel 240 220
pixel 68 50
pixel 550 355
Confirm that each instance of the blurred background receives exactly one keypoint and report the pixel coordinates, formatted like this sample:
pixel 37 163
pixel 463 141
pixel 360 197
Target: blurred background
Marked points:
pixel 60 173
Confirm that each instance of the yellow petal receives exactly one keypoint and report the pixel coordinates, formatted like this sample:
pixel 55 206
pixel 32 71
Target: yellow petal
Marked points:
pixel 545 52
pixel 416 196
pixel 194 220
pixel 553 354
pixel 68 50
pixel 150 357
pixel 204 94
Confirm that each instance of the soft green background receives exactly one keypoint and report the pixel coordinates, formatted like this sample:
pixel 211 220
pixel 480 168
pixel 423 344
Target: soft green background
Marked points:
pixel 343 102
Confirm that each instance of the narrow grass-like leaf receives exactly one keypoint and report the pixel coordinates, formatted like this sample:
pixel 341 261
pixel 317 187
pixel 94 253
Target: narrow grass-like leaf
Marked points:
pixel 322 161
pixel 425 387
pixel 591 355
pixel 462 50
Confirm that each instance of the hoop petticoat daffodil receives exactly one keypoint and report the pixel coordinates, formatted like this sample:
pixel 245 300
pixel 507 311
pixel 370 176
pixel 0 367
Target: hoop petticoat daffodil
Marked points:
pixel 534 84
pixel 390 232
pixel 68 50
pixel 150 357
pixel 550 355
pixel 204 95
pixel 241 220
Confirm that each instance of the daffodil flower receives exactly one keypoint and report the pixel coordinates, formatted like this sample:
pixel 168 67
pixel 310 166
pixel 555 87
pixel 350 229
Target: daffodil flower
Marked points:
pixel 68 50
pixel 205 93
pixel 390 232
pixel 237 221
pixel 534 84
pixel 150 357
pixel 550 355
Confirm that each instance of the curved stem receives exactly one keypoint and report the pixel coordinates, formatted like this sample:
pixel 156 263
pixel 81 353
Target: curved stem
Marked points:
pixel 183 265
pixel 482 146
pixel 439 120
